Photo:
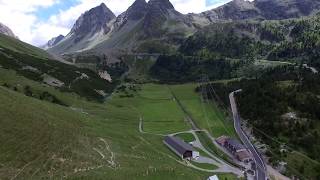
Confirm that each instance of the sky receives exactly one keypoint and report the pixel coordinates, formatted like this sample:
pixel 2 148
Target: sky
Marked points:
pixel 37 21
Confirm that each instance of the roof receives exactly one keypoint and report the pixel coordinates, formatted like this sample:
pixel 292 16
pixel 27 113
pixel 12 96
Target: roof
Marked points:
pixel 243 155
pixel 179 145
pixel 235 143
pixel 215 177
pixel 221 140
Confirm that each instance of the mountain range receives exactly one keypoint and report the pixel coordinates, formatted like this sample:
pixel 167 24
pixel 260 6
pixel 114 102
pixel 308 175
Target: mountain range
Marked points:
pixel 157 23
pixel 52 42
pixel 153 67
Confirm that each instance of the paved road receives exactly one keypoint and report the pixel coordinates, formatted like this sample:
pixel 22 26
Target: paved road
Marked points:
pixel 261 168
pixel 314 70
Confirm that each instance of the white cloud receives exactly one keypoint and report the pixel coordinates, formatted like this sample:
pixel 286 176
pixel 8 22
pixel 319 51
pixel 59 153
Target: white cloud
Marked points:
pixel 20 16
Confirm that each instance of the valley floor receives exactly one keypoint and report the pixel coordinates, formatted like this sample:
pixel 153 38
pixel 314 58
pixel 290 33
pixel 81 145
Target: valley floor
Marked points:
pixel 91 140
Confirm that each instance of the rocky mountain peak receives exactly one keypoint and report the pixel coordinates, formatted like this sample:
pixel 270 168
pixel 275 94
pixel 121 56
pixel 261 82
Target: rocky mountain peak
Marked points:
pixel 52 42
pixel 242 3
pixel 161 4
pixel 137 10
pixel 93 21
pixel 6 31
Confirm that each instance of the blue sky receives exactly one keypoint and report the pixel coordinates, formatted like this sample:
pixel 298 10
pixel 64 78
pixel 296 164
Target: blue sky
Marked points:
pixel 214 2
pixel 44 13
pixel 37 21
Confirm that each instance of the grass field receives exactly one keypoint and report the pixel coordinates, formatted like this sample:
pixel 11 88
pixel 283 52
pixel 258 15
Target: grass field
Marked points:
pixel 205 165
pixel 78 138
pixel 206 115
pixel 139 68
pixel 91 141
pixel 159 111
pixel 187 137
pixel 302 165
pixel 19 46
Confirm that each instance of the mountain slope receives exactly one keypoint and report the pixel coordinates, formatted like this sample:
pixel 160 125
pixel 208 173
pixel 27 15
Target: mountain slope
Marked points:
pixel 155 20
pixel 53 132
pixel 52 42
pixel 36 64
pixel 146 25
pixel 263 9
pixel 8 42
pixel 89 27
pixel 285 40
pixel 6 31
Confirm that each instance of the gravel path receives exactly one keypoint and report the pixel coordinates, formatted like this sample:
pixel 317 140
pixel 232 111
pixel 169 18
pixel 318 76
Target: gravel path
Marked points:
pixel 223 167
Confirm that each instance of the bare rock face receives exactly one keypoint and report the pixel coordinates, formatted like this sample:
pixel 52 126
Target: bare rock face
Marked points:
pixel 6 31
pixel 99 30
pixel 263 10
pixel 147 20
pixel 158 12
pixel 135 12
pixel 54 41
pixel 92 22
pixel 284 9
pixel 88 28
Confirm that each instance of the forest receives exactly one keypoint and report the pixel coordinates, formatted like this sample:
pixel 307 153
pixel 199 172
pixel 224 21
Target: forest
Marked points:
pixel 282 103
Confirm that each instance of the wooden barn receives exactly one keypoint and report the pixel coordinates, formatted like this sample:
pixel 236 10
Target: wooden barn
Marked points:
pixel 181 148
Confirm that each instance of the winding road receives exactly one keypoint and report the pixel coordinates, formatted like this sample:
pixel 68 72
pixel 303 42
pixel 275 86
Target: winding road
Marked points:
pixel 260 165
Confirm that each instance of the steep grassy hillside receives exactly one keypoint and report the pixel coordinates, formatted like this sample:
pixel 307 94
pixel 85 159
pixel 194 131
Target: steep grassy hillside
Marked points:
pixel 13 44
pixel 294 40
pixel 55 132
pixel 89 140
pixel 37 65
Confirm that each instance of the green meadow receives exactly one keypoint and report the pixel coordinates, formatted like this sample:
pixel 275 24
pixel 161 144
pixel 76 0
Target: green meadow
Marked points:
pixel 89 140
pixel 207 115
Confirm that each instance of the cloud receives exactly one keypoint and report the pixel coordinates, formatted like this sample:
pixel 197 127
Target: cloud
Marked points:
pixel 20 15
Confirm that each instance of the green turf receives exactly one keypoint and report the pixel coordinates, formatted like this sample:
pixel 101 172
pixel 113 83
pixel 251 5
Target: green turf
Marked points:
pixel 187 137
pixel 43 140
pixel 35 64
pixel 206 115
pixel 227 177
pixel 206 142
pixel 157 108
pixel 21 47
pixel 302 165
pixel 205 166
pixel 40 139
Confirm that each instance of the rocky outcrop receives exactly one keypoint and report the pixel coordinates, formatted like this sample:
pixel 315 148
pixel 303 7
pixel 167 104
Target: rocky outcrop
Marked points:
pixel 92 21
pixel 89 28
pixel 262 10
pixel 158 21
pixel 159 11
pixel 53 42
pixel 284 9
pixel 6 31
pixel 135 12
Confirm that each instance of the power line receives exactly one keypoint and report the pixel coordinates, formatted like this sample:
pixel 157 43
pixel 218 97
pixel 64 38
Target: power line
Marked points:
pixel 219 117
pixel 281 143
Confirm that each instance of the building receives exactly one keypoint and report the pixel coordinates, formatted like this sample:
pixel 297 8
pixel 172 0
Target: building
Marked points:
pixel 215 177
pixel 235 148
pixel 181 148
pixel 243 156
pixel 222 140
